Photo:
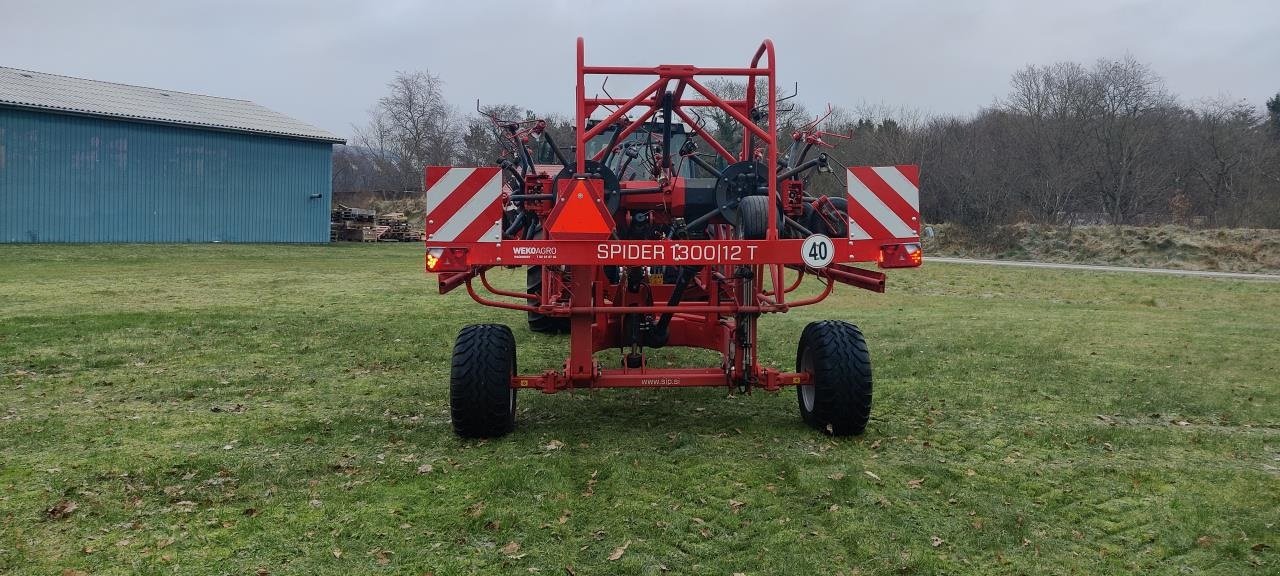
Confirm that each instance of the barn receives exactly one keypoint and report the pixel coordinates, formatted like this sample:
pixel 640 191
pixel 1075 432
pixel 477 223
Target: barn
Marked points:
pixel 90 161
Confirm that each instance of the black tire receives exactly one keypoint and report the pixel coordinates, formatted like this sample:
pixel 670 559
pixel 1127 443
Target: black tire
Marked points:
pixel 538 322
pixel 482 402
pixel 753 217
pixel 818 225
pixel 835 355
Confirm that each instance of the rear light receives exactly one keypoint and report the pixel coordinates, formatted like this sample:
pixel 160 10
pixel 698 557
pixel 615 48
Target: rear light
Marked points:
pixel 447 260
pixel 900 255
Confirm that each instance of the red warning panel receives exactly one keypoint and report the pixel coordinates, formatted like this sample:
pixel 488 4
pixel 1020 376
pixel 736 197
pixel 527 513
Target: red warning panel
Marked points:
pixel 884 202
pixel 463 204
pixel 580 213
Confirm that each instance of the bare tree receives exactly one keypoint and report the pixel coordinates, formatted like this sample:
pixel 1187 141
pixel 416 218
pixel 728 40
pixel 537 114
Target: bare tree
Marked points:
pixel 410 128
pixel 480 139
pixel 1050 105
pixel 1227 155
pixel 1133 116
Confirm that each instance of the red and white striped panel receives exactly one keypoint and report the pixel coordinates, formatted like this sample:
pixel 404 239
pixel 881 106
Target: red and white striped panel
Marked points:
pixel 463 204
pixel 884 202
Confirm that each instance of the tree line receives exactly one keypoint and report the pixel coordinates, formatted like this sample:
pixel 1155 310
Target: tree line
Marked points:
pixel 1068 144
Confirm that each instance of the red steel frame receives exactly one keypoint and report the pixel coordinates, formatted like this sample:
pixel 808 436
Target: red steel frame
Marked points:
pixel 723 316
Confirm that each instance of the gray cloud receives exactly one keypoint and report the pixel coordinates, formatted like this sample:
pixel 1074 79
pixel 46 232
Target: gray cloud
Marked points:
pixel 325 62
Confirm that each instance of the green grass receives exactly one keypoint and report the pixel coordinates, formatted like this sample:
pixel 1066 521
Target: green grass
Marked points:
pixel 226 409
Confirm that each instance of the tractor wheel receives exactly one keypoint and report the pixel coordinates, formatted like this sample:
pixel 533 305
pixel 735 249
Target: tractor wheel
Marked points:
pixel 753 217
pixel 818 225
pixel 538 322
pixel 481 399
pixel 838 399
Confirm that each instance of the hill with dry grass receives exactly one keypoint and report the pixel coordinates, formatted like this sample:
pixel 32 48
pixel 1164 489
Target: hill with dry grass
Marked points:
pixel 1228 250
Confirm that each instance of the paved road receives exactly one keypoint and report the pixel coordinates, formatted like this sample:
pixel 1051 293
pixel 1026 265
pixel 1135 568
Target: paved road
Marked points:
pixel 1235 275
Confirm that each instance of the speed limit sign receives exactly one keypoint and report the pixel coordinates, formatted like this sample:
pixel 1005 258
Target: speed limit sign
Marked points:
pixel 817 251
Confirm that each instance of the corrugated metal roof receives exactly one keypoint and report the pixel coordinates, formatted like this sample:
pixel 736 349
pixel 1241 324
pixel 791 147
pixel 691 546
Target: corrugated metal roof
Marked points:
pixel 38 90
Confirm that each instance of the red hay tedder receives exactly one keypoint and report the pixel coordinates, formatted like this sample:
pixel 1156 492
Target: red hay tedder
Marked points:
pixel 633 240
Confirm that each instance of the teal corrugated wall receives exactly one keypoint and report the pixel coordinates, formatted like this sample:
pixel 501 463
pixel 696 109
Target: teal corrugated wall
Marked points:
pixel 67 178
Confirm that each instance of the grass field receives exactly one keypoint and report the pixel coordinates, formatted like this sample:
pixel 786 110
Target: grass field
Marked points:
pixel 283 410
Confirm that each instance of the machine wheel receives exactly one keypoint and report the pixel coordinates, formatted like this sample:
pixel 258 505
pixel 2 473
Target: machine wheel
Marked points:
pixel 538 322
pixel 816 224
pixel 753 217
pixel 481 399
pixel 835 355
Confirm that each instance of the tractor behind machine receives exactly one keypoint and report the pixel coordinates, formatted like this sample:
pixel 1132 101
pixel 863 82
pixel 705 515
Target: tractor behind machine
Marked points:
pixel 633 239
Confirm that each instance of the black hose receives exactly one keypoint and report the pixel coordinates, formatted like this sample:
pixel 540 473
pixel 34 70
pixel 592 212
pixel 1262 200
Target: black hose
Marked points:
pixel 555 149
pixel 516 225
pixel 660 333
pixel 800 168
pixel 704 164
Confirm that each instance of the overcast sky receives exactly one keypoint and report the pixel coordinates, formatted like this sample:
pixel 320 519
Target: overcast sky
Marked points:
pixel 326 61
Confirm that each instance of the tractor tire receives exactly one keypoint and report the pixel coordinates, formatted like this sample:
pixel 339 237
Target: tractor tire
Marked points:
pixel 816 224
pixel 482 402
pixel 835 355
pixel 539 322
pixel 753 217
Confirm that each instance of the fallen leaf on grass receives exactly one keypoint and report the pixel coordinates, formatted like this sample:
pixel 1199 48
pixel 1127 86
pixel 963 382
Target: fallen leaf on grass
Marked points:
pixel 568 570
pixel 936 541
pixel 337 553
pixel 619 551
pixel 425 469
pixel 554 445
pixel 914 484
pixel 564 517
pixel 61 510
pixel 251 512
pixel 1204 541
pixel 511 549
pixel 475 510
pixel 736 505
pixel 836 476
pixel 872 475
pixel 834 508
pixel 1259 547
pixel 970 472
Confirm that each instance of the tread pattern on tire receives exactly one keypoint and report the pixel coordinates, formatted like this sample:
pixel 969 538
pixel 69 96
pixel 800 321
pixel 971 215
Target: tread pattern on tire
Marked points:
pixel 753 217
pixel 481 400
pixel 841 366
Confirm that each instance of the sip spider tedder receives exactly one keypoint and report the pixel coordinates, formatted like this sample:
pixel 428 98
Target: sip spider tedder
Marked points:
pixel 633 240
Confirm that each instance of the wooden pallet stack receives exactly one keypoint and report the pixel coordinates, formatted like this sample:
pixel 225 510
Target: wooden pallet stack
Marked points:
pixel 398 229
pixel 350 224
